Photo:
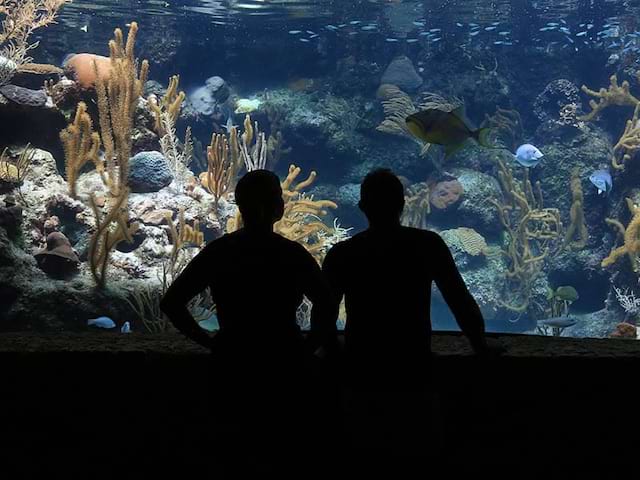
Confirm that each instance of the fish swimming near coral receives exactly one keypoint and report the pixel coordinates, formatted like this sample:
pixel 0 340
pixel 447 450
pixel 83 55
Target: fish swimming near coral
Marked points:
pixel 449 129
pixel 528 155
pixel 602 181
pixel 101 322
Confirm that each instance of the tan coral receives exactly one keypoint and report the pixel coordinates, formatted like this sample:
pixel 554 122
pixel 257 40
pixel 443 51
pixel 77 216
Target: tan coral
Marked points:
pixel 631 235
pixel 614 95
pixel 629 142
pixel 577 235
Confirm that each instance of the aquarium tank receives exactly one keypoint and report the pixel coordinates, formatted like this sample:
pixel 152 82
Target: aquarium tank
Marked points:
pixel 125 125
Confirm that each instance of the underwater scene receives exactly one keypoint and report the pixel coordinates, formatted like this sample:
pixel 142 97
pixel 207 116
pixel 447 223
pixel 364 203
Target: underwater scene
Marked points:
pixel 514 126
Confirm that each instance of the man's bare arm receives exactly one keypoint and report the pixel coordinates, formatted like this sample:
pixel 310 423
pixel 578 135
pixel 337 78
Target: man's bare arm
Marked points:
pixel 189 283
pixel 455 292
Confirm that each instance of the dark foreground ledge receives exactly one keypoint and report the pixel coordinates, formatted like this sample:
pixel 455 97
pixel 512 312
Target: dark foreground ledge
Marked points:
pixel 96 401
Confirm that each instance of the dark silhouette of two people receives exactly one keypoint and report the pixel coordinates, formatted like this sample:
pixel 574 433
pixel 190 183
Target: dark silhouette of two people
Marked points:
pixel 257 279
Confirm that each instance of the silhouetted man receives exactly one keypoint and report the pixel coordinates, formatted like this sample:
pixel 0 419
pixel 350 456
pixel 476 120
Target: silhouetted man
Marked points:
pixel 385 275
pixel 257 280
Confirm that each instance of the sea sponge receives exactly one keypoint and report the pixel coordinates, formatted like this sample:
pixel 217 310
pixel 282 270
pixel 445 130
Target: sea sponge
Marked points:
pixel 80 68
pixel 444 194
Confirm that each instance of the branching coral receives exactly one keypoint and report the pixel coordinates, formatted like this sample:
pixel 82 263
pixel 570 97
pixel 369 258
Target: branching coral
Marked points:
pixel 223 164
pixel 117 99
pixel 629 142
pixel 631 236
pixel 111 229
pixel 614 95
pixel 18 20
pixel 301 221
pixel 177 156
pixel 577 235
pixel 532 232
pixel 182 235
pixel 81 145
pixel 253 146
pixel 170 104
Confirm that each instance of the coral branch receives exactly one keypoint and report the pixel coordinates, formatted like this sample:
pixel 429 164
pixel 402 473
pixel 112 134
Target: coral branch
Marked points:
pixel 81 145
pixel 614 95
pixel 577 227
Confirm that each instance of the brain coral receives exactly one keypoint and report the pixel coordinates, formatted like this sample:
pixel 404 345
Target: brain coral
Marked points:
pixel 466 239
pixel 444 194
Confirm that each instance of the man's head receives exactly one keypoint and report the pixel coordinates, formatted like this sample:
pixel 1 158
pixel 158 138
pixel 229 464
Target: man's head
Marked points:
pixel 259 198
pixel 382 197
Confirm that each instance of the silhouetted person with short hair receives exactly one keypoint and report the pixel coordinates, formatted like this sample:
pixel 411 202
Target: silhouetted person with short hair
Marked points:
pixel 385 275
pixel 261 364
pixel 257 280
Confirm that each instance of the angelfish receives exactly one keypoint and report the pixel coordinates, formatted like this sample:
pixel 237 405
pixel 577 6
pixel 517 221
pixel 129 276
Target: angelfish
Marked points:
pixel 449 129
pixel 528 155
pixel 602 181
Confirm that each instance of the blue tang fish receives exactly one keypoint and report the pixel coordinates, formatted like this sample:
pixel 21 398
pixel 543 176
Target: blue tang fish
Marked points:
pixel 602 180
pixel 528 155
pixel 101 322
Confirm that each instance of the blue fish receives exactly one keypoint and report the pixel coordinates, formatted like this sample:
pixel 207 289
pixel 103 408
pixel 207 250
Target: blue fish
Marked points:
pixel 125 328
pixel 101 322
pixel 528 155
pixel 602 181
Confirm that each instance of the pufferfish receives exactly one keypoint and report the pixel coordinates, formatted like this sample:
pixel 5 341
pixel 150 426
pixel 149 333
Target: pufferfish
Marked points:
pixel 449 129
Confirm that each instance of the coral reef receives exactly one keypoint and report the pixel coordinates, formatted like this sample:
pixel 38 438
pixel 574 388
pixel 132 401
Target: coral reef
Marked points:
pixel 532 230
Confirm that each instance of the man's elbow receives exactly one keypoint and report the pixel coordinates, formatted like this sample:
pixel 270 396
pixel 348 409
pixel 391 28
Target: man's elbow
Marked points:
pixel 167 305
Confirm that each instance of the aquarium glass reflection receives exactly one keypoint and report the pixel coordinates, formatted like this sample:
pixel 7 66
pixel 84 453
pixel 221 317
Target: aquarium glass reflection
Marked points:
pixel 513 125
